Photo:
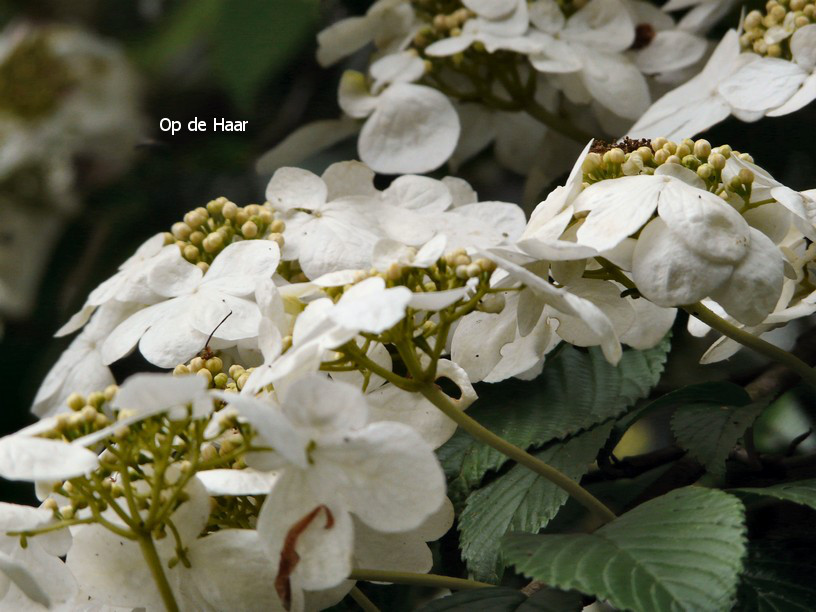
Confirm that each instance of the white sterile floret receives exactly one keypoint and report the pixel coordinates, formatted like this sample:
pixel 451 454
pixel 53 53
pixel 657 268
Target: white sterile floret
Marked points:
pixel 803 50
pixel 703 14
pixel 172 331
pixel 409 127
pixel 498 25
pixel 586 51
pixel 81 367
pixel 333 464
pixel 23 456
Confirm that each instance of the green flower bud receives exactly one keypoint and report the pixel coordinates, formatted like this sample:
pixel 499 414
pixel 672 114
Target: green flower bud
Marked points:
pixel 111 391
pixel 702 148
pixel 614 156
pixel 658 143
pixel 235 371
pixel 746 177
pixel 190 253
pixel 705 171
pixel 220 380
pixel 203 266
pixel 181 230
pixel 591 163
pixel 75 401
pixel 716 161
pixel 249 229
pixel 96 399
pixel 214 365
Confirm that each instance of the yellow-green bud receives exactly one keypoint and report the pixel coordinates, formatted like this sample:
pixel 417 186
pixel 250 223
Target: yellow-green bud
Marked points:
pixel 89 414
pixel 614 156
pixel 208 452
pixel 716 161
pixel 111 391
pixel 242 380
pixel 205 374
pixel 181 370
pixel 277 226
pixel 213 242
pixel 214 365
pixel 702 148
pixel 50 504
pixel 220 380
pixel 249 229
pixel 229 210
pixel 75 401
pixel 672 159
pixel 235 371
pixel 96 399
pixel 591 163
pixel 67 512
pixel 194 218
pixel 215 206
pixel 682 150
pixel 196 363
pixel 241 217
pixel 473 270
pixel 190 253
pixel 661 156
pixel 486 265
pixel 658 143
pixel 705 171
pixel 746 177
pixel 277 238
pixel 203 266
pixel 181 231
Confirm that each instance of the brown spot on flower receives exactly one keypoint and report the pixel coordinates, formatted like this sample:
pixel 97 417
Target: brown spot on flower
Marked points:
pixel 627 145
pixel 644 34
pixel 289 557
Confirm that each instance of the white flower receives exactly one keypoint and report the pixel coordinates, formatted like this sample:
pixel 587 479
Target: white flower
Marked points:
pixel 409 127
pixel 333 464
pixel 171 332
pixel 590 45
pixel 703 15
pixel 803 49
pixel 331 222
pixel 81 367
pixel 129 284
pixel 498 25
pixel 23 456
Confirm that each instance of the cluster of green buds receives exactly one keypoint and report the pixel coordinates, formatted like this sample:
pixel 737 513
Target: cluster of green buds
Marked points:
pixel 33 78
pixel 207 230
pixel 768 33
pixel 211 368
pixel 144 468
pixel 634 157
pixel 234 512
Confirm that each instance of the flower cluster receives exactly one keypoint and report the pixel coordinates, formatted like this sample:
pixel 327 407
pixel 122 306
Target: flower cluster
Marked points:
pixel 449 78
pixel 768 70
pixel 306 337
pixel 65 96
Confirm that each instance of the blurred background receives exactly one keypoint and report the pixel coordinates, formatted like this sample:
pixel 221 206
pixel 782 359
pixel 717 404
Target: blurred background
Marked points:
pixel 86 175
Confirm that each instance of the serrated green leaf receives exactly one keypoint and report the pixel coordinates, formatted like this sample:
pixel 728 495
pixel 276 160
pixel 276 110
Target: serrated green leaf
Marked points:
pixel 800 492
pixel 778 577
pixel 498 599
pixel 521 500
pixel 681 551
pixel 576 390
pixel 255 39
pixel 503 599
pixel 709 431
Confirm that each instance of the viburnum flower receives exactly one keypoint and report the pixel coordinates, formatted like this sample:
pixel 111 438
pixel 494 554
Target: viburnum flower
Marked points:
pixel 334 464
pixel 172 331
pixel 703 14
pixel 589 43
pixel 803 51
pixel 698 246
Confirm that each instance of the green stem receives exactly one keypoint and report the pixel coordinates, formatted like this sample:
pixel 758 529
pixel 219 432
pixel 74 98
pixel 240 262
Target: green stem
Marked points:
pixel 805 372
pixel 151 557
pixel 412 578
pixel 481 433
pixel 364 602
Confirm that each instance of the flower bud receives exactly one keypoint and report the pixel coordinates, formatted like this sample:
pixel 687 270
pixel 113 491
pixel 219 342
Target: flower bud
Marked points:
pixel 190 253
pixel 249 229
pixel 705 171
pixel 111 391
pixel 181 370
pixel 96 399
pixel 205 374
pixel 614 156
pixel 645 153
pixel 220 380
pixel 181 231
pixel 49 504
pixel 492 303
pixel 235 371
pixel 672 159
pixel 591 163
pixel 473 270
pixel 196 363
pixel 702 148
pixel 746 177
pixel 203 266
pixel 658 143
pixel 682 150
pixel 75 401
pixel 486 265
pixel 661 156
pixel 213 242
pixel 214 365
pixel 716 161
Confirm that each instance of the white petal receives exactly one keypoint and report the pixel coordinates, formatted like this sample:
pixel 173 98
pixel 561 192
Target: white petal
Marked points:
pixel 324 547
pixel 491 9
pixel 237 482
pixel 547 16
pixel 14 517
pixel 670 50
pixel 752 291
pixel 389 403
pixel 618 208
pixel 393 479
pixel 478 340
pixel 25 458
pixel 420 193
pixel 804 96
pixel 763 84
pixel 306 141
pixel 368 306
pixel 150 393
pixel 343 38
pixel 602 23
pixel 348 178
pixel 414 129
pixel 234 270
pixel 295 188
pixel 606 296
pixel 617 84
pixel 403 67
pixel 24 580
pixel 774 220
pixel 172 275
pixel 650 326
pixel 449 46
pixel 803 47
pixel 353 95
pixel 437 300
pixel 707 225
pixel 325 406
pixel 670 274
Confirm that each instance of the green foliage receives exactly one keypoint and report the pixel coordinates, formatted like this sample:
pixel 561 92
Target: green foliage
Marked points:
pixel 577 390
pixel 681 551
pixel 800 492
pixel 501 599
pixel 710 430
pixel 521 500
pixel 778 577
pixel 257 38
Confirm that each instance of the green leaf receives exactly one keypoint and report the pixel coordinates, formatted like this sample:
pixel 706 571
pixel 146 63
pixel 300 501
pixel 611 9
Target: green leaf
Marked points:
pixel 521 500
pixel 576 390
pixel 709 431
pixel 719 392
pixel 778 577
pixel 255 39
pixel 799 492
pixel 500 599
pixel 503 599
pixel 681 551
